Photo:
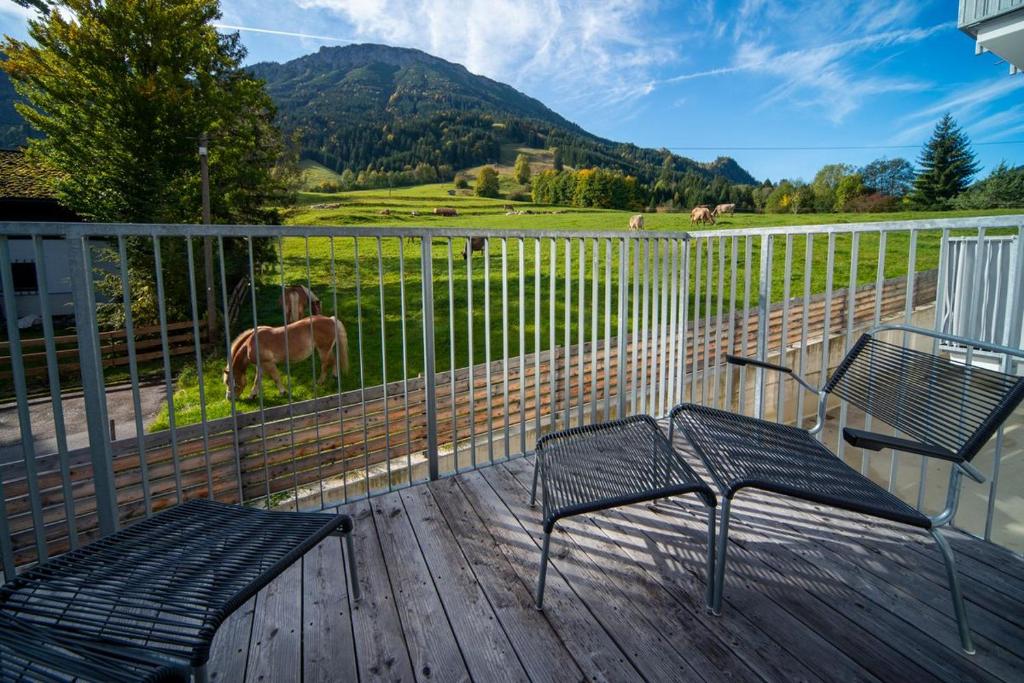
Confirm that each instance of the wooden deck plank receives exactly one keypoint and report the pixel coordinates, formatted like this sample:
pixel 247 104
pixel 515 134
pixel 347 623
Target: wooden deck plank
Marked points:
pixel 540 649
pixel 676 564
pixel 595 652
pixel 491 657
pixel 433 650
pixel 684 633
pixel 381 651
pixel 229 652
pixel 275 653
pixel 328 647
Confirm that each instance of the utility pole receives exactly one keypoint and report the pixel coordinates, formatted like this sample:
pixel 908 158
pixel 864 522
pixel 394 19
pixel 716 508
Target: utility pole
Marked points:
pixel 211 309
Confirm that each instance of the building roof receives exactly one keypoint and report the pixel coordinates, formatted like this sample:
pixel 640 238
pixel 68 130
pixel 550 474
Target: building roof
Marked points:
pixel 21 179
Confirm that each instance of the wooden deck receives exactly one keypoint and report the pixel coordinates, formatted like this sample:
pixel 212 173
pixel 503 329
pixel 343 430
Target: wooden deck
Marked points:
pixel 447 571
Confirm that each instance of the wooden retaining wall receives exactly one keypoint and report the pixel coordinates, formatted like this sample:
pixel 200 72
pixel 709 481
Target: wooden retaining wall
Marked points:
pixel 264 456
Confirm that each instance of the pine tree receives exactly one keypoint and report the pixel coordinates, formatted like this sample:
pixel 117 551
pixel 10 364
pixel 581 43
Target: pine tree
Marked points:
pixel 947 166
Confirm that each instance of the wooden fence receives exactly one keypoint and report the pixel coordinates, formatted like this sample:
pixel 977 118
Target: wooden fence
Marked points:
pixel 267 455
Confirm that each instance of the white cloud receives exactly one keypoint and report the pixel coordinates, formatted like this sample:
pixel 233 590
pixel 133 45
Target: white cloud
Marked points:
pixel 969 105
pixel 580 47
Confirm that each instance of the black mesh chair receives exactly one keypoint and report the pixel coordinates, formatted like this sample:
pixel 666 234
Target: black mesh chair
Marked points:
pixel 164 585
pixel 942 409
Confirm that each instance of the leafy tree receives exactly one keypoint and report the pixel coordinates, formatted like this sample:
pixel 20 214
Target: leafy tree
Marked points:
pixel 892 177
pixel 825 184
pixel 121 91
pixel 521 171
pixel 1002 189
pixel 487 182
pixel 850 187
pixel 780 200
pixel 947 166
pixel 461 183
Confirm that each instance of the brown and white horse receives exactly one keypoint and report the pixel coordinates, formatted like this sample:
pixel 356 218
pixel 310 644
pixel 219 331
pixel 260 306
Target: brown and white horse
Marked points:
pixel 297 301
pixel 295 342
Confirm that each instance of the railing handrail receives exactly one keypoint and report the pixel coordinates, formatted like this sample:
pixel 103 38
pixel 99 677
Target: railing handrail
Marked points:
pixel 13 228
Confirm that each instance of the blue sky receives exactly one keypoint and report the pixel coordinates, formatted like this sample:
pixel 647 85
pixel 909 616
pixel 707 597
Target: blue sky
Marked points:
pixel 703 78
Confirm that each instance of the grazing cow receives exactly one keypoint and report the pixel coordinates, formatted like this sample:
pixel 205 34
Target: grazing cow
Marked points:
pixel 385 212
pixel 297 301
pixel 473 244
pixel 294 342
pixel 701 214
pixel 445 211
pixel 636 222
pixel 724 208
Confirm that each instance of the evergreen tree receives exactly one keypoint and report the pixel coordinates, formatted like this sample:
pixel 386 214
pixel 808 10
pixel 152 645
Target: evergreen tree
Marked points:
pixel 947 165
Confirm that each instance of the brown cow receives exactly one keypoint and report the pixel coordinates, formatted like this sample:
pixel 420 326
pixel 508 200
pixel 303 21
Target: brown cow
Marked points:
pixel 636 222
pixel 724 208
pixel 297 301
pixel 701 214
pixel 445 211
pixel 473 244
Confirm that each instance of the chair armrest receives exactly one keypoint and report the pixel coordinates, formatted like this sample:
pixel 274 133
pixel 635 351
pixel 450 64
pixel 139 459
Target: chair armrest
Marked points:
pixel 858 438
pixel 741 360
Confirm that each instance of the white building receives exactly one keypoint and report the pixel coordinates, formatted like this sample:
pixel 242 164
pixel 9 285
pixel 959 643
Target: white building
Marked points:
pixel 997 26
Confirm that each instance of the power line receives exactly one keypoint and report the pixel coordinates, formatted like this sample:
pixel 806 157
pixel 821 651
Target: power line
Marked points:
pixel 823 147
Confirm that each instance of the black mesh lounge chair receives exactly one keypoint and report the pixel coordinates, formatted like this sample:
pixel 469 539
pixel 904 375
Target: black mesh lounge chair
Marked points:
pixel 167 583
pixel 34 652
pixel 943 410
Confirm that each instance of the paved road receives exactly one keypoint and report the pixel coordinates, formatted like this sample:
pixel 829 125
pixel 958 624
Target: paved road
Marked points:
pixel 120 406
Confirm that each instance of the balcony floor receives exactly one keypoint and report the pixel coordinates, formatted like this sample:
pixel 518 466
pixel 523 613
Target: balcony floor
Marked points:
pixel 448 569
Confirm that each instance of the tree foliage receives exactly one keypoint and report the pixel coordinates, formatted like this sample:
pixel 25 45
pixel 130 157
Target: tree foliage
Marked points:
pixel 947 165
pixel 593 187
pixel 487 182
pixel 1002 189
pixel 521 171
pixel 892 177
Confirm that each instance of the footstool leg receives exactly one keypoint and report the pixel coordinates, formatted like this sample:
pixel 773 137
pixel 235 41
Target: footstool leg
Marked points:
pixel 543 570
pixel 709 595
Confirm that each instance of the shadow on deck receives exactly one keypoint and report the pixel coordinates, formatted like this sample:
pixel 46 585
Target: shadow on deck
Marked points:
pixel 448 569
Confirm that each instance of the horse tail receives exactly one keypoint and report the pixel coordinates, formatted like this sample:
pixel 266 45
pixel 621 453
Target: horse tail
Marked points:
pixel 342 341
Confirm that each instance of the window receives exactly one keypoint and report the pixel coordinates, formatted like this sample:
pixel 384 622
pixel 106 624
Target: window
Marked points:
pixel 24 275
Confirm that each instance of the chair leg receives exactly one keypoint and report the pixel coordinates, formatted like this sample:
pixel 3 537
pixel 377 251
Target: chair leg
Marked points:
pixel 709 595
pixel 543 570
pixel 954 588
pixel 533 489
pixel 350 550
pixel 199 674
pixel 723 539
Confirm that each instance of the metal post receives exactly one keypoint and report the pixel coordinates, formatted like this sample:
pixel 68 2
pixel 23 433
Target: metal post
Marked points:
pixel 211 306
pixel 427 278
pixel 93 389
pixel 763 323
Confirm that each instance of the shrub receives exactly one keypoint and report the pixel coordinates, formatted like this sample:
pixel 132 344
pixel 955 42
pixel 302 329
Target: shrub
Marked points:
pixel 876 202
pixel 519 196
pixel 461 183
pixel 487 182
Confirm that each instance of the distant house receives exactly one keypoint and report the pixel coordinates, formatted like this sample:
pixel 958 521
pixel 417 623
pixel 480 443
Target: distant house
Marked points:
pixel 25 197
pixel 997 26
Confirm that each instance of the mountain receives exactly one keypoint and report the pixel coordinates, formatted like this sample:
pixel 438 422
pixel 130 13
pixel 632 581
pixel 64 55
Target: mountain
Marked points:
pixel 374 106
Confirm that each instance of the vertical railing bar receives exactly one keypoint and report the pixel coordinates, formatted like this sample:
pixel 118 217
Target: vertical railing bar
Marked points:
pixel 362 367
pixel 851 310
pixel 664 331
pixel 567 332
pixel 521 244
pixel 405 357
pixel 764 309
pixel 651 368
pixel 708 288
pixel 697 280
pixel 28 450
pixel 487 350
pixel 594 335
pixel 808 269
pixel 451 355
pixel 53 375
pixel 337 367
pixel 622 327
pixel 314 357
pixel 228 364
pixel 383 364
pixel 552 332
pixel 644 338
pixel 635 339
pixel 469 342
pixel 429 357
pixel 720 297
pixel 581 352
pixel 536 341
pixel 257 380
pixel 288 377
pixel 826 332
pixel 504 343
pixel 997 461
pixel 607 327
pixel 748 256
pixel 673 321
pixel 197 343
pixel 168 382
pixel 877 316
pixel 730 344
pixel 780 407
pixel 684 276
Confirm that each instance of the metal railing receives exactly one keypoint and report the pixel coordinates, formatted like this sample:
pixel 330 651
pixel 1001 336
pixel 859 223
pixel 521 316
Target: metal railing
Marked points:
pixel 455 362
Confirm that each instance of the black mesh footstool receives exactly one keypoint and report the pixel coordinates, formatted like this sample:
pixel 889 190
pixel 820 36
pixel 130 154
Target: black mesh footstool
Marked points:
pixel 597 467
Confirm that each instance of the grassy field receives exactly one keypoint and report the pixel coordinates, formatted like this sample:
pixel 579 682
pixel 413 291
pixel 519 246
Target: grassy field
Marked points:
pixel 384 317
